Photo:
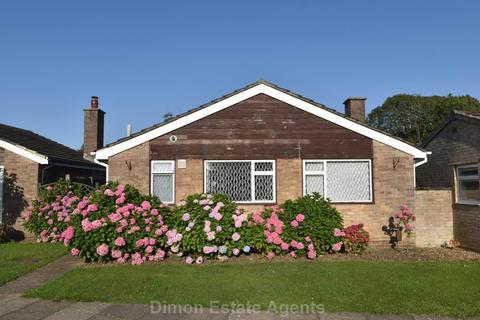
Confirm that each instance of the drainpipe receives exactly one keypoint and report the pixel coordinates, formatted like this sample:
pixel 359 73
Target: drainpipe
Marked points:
pixel 418 164
pixel 102 164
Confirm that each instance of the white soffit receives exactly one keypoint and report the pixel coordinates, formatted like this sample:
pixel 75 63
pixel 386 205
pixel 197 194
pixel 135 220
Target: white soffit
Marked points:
pixel 29 154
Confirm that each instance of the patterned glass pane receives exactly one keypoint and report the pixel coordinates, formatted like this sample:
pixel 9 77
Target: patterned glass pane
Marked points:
pixel 314 183
pixel 313 166
pixel 264 188
pixel 162 167
pixel 348 181
pixel 263 166
pixel 230 178
pixel 163 187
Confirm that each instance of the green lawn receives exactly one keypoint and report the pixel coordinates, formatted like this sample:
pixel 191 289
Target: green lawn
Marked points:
pixel 17 259
pixel 443 288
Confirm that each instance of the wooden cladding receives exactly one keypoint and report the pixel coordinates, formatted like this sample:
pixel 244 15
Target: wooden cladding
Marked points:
pixel 262 128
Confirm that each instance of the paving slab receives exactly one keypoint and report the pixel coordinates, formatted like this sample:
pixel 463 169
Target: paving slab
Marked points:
pixel 78 311
pixel 36 311
pixel 41 276
pixel 10 303
pixel 342 316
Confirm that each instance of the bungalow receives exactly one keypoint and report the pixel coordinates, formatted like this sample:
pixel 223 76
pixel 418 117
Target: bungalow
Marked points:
pixel 455 164
pixel 262 145
pixel 28 160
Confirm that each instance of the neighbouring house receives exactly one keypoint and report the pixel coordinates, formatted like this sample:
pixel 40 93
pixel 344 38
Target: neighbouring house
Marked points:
pixel 455 164
pixel 262 145
pixel 28 160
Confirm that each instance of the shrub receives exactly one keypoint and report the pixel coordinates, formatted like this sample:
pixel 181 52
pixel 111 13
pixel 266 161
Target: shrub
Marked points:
pixel 118 223
pixel 300 227
pixel 355 239
pixel 406 218
pixel 211 226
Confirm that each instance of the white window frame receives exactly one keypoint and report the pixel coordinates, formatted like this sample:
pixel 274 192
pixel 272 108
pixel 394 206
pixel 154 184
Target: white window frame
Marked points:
pixel 458 178
pixel 324 172
pixel 254 173
pixel 172 162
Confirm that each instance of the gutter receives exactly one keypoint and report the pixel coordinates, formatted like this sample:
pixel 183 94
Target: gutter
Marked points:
pixel 418 164
pixel 102 164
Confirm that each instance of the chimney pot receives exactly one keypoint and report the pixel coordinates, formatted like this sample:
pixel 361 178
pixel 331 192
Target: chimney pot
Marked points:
pixel 94 102
pixel 355 108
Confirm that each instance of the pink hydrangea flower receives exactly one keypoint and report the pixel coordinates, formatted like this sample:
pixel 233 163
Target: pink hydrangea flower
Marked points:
pixel 284 246
pixel 186 217
pixel 119 242
pixel 312 254
pixel 146 205
pixel 294 223
pixel 74 252
pixel 109 193
pixel 236 251
pixel 270 256
pixel 92 207
pixel 102 250
pixel 300 217
pixel 337 246
pixel 189 260
pixel 338 233
pixel 116 254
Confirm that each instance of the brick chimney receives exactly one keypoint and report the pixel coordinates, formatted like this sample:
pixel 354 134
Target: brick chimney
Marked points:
pixel 93 119
pixel 355 108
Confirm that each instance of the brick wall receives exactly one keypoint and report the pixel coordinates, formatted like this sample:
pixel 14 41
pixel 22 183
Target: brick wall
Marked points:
pixel 393 186
pixel 466 225
pixel 457 143
pixel 189 180
pixel 132 166
pixel 19 187
pixel 434 224
pixel 2 156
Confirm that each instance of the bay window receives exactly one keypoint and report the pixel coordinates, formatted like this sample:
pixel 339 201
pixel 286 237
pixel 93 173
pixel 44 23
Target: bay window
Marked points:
pixel 244 181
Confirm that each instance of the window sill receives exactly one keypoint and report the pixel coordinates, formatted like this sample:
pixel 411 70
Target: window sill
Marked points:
pixel 469 203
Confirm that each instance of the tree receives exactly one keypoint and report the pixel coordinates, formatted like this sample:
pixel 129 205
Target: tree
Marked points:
pixel 414 117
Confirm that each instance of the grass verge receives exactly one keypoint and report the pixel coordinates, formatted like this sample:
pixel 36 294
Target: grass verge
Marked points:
pixel 17 259
pixel 441 288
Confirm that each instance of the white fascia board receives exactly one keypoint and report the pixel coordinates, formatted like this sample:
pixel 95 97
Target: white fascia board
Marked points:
pixel 104 154
pixel 29 154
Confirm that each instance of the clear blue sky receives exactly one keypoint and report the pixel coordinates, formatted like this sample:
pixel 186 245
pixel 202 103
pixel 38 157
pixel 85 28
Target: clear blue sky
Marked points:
pixel 146 58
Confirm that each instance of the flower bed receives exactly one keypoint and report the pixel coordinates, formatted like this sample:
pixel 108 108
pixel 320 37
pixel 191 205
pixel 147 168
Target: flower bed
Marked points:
pixel 117 223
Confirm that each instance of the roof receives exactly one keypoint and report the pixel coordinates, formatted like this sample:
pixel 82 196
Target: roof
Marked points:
pixel 454 115
pixel 38 148
pixel 258 87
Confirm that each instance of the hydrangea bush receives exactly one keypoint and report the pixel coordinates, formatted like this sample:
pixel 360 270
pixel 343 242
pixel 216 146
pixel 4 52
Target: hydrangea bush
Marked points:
pixel 209 226
pixel 117 223
pixel 354 239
